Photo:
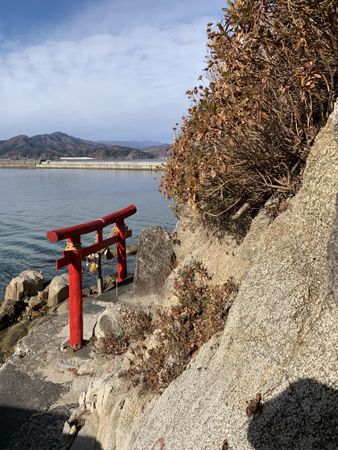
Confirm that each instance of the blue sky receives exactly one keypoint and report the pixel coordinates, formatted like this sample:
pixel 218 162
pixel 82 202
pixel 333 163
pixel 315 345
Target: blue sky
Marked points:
pixel 100 69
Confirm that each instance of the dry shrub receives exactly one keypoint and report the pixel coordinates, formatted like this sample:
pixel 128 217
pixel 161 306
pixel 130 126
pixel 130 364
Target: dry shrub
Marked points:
pixel 201 312
pixel 272 82
pixel 136 325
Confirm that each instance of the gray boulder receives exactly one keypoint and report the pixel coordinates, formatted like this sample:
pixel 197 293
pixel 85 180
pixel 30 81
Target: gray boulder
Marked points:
pixel 109 322
pixel 58 290
pixel 27 284
pixel 153 264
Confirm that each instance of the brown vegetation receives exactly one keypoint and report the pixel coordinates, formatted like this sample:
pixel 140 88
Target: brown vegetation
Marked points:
pixel 176 334
pixel 255 406
pixel 201 312
pixel 136 325
pixel 272 82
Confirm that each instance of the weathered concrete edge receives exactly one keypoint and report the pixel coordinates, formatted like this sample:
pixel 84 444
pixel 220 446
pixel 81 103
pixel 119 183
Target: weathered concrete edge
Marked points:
pixel 18 164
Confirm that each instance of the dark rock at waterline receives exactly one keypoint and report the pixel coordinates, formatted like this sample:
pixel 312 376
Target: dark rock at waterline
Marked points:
pixel 10 310
pixel 153 263
pixel 28 284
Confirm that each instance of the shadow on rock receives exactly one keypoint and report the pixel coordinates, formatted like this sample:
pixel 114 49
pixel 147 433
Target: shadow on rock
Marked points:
pixel 36 430
pixel 303 417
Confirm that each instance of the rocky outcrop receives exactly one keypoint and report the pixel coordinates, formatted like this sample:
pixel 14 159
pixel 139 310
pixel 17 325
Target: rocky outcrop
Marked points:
pixel 269 380
pixel 279 341
pixel 27 284
pixel 26 298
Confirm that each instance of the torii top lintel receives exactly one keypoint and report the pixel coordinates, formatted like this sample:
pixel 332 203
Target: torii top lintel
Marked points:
pixel 88 227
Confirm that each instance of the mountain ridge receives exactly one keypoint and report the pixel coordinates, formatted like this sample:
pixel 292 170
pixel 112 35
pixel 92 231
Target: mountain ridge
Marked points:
pixel 58 144
pixel 141 145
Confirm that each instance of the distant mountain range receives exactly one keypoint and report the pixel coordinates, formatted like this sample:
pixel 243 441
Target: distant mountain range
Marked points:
pixel 57 145
pixel 158 149
pixel 141 145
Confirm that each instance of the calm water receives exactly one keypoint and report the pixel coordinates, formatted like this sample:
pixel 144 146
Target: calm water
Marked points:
pixel 35 201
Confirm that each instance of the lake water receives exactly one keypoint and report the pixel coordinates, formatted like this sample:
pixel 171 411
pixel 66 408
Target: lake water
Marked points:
pixel 34 201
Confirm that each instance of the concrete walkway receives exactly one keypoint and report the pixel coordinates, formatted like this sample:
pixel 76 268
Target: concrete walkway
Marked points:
pixel 41 383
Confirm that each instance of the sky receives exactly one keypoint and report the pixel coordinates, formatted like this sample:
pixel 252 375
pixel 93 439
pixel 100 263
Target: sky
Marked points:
pixel 100 69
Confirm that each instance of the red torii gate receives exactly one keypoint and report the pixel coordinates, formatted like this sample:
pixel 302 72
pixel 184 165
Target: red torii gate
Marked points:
pixel 73 255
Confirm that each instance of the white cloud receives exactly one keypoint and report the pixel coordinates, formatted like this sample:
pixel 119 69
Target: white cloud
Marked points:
pixel 128 84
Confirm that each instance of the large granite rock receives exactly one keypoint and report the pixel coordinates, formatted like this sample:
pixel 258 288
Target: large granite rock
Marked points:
pixel 280 339
pixel 153 264
pixel 27 284
pixel 58 290
pixel 109 322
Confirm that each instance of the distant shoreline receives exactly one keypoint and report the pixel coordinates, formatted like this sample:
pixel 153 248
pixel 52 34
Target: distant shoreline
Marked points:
pixel 101 165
